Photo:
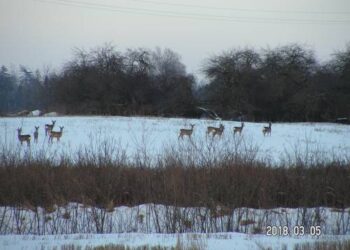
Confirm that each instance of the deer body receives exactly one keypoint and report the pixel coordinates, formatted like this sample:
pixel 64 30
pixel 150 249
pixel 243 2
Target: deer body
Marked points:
pixel 267 130
pixel 36 134
pixel 238 129
pixel 49 127
pixel 56 134
pixel 23 138
pixel 187 132
pixel 216 131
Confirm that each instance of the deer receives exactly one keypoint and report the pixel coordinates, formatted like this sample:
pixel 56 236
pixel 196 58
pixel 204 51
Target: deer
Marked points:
pixel 36 134
pixel 23 138
pixel 56 134
pixel 238 129
pixel 267 130
pixel 187 132
pixel 216 131
pixel 49 127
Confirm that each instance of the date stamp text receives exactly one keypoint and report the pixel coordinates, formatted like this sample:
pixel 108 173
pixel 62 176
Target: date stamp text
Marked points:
pixel 294 231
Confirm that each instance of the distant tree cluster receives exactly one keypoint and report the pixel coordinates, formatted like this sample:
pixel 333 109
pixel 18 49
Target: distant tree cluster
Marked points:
pixel 23 90
pixel 285 84
pixel 105 81
pixel 282 84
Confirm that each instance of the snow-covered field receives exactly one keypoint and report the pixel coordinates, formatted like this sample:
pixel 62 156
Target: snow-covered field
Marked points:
pixel 154 136
pixel 220 241
pixel 151 138
pixel 76 218
pixel 147 225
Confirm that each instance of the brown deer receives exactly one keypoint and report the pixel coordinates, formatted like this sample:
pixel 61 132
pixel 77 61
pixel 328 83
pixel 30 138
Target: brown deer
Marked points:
pixel 216 131
pixel 267 130
pixel 23 138
pixel 238 129
pixel 36 134
pixel 187 132
pixel 56 134
pixel 49 127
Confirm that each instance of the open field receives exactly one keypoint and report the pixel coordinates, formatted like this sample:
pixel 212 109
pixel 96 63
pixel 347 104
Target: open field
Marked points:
pixel 137 241
pixel 136 136
pixel 74 218
pixel 125 176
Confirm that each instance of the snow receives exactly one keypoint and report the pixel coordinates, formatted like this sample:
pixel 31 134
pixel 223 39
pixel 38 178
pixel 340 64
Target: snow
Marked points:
pixel 134 233
pixel 35 113
pixel 222 241
pixel 51 114
pixel 132 135
pixel 152 137
pixel 155 218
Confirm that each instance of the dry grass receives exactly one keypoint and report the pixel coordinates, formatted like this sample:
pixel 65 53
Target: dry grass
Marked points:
pixel 324 245
pixel 118 247
pixel 189 244
pixel 220 186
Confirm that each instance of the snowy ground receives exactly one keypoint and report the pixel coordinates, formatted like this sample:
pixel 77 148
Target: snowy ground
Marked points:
pixel 222 241
pixel 76 218
pixel 155 135
pixel 334 226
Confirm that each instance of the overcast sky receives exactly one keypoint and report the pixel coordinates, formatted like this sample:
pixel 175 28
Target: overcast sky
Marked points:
pixel 36 33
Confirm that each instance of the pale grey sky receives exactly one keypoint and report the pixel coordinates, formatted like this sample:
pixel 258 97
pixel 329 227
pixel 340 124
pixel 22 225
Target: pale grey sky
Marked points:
pixel 36 33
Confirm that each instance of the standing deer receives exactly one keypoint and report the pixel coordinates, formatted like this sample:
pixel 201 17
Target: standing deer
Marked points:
pixel 238 129
pixel 187 132
pixel 49 127
pixel 56 134
pixel 216 131
pixel 36 134
pixel 23 138
pixel 267 130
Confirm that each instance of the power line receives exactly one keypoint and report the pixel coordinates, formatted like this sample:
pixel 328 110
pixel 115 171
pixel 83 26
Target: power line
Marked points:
pixel 245 10
pixel 195 16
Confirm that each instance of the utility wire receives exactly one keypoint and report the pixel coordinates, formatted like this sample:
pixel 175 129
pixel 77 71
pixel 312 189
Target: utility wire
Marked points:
pixel 244 10
pixel 145 11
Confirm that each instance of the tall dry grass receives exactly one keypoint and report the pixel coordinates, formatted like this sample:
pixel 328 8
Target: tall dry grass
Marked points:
pixel 188 174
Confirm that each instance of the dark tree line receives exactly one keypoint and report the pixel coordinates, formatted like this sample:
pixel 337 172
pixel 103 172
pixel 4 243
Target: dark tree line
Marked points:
pixel 143 82
pixel 104 81
pixel 286 84
pixel 20 90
